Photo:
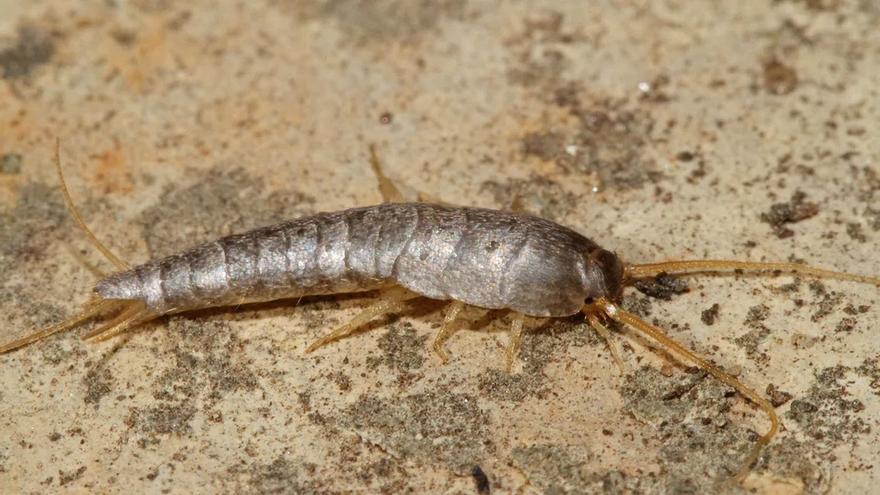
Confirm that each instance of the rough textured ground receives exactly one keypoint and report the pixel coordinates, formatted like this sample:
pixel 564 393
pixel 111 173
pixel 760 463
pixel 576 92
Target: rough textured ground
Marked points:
pixel 661 129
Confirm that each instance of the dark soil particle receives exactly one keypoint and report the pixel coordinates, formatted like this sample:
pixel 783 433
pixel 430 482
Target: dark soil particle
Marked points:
pixel 793 211
pixel 33 47
pixel 828 413
pixel 779 78
pixel 10 163
pixel 709 316
pixel 777 397
pixel 663 286
pixel 279 476
pixel 71 476
pixel 481 481
pixel 98 382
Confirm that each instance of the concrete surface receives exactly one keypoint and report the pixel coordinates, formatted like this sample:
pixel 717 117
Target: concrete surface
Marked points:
pixel 661 129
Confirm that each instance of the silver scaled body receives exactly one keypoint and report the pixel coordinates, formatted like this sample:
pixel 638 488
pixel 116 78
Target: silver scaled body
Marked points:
pixel 487 258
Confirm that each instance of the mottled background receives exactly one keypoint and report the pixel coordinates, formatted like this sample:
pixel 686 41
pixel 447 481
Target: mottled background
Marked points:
pixel 661 129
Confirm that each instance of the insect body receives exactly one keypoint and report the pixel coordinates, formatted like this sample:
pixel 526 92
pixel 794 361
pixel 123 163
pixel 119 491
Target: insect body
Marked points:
pixel 487 258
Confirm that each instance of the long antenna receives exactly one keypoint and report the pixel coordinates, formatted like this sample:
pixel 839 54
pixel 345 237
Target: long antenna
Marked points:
pixel 121 265
pixel 691 266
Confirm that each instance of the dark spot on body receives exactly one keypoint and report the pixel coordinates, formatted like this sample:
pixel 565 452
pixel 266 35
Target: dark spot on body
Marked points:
pixel 33 48
pixel 793 211
pixel 386 118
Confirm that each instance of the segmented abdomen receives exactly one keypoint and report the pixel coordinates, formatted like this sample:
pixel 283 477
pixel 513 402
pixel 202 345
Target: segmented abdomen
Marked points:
pixel 468 254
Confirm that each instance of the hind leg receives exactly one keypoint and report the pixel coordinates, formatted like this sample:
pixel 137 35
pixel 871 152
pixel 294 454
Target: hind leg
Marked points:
pixel 516 335
pixel 597 325
pixel 446 330
pixel 391 303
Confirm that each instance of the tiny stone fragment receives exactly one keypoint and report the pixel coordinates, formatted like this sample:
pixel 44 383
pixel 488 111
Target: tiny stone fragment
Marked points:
pixel 710 315
pixel 795 210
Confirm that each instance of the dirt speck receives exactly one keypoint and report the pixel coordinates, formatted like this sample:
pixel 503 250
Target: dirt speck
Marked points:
pixel 663 286
pixel 829 301
pixel 10 163
pixel 481 481
pixel 777 397
pixel 279 476
pixel 779 78
pixel 437 426
pixel 828 413
pixel 98 382
pixel 710 316
pixel 793 211
pixel 70 476
pixel 855 232
pixel 384 20
pixel 33 48
pixel 758 333
pixel 162 419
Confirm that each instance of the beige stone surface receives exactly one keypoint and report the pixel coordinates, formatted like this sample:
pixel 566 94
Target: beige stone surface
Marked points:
pixel 660 129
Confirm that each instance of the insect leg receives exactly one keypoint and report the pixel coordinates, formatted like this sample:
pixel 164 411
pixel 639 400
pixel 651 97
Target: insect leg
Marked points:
pixel 390 304
pixel 516 335
pixel 390 193
pixel 658 336
pixel 600 328
pixel 446 330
